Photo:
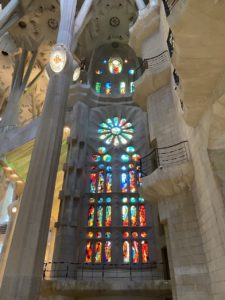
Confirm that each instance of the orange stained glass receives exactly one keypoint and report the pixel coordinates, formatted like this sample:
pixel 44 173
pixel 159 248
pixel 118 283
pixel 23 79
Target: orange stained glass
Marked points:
pixel 145 252
pixel 126 252
pixel 142 215
pixel 135 252
pixel 89 252
pixel 98 252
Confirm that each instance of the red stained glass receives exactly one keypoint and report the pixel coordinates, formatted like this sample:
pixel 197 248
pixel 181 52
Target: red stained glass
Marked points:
pixel 142 215
pixel 98 252
pixel 108 216
pixel 89 252
pixel 144 234
pixel 101 182
pixel 145 252
pixel 109 183
pixel 126 252
pixel 93 180
pixel 125 235
pixel 108 250
pixel 91 213
pixel 134 235
pixel 132 181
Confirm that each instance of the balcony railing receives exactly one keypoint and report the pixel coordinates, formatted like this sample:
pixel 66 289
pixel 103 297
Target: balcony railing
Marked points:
pixel 169 5
pixel 164 157
pixel 154 64
pixel 84 271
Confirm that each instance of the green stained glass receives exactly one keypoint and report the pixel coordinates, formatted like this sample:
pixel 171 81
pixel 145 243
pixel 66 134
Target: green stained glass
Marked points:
pixel 122 140
pixel 100 200
pixel 116 121
pixel 110 122
pixel 104 125
pixel 98 87
pixel 130 149
pixel 102 150
pixel 133 200
pixel 109 140
pixel 104 136
pixel 141 200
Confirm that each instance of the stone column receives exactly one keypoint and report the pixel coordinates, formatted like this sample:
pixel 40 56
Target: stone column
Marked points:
pixel 23 272
pixel 140 4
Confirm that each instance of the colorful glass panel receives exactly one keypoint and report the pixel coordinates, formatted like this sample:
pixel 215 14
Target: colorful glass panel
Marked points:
pixel 115 131
pixel 133 200
pixel 136 157
pixel 135 252
pixel 108 216
pixel 99 235
pixel 141 200
pixel 124 182
pixel 102 150
pixel 108 250
pixel 132 181
pixel 134 235
pixel 131 71
pixel 130 149
pixel 108 200
pixel 108 88
pixel 125 157
pixel 99 216
pixel 101 182
pixel 142 215
pixel 123 168
pixel 89 252
pixel 100 200
pixel 98 72
pixel 115 65
pixel 93 180
pixel 91 200
pixel 98 252
pixel 125 235
pixel 90 234
pixel 107 158
pixel 133 213
pixel 108 235
pixel 91 213
pixel 145 252
pixel 125 215
pixel 143 234
pixel 124 199
pixel 132 87
pixel 98 87
pixel 122 88
pixel 108 182
pixel 108 168
pixel 96 157
pixel 126 252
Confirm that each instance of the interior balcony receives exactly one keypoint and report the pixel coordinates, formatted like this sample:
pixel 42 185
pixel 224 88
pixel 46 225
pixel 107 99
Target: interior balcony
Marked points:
pixel 146 25
pixel 198 52
pixel 156 73
pixel 166 171
pixel 105 280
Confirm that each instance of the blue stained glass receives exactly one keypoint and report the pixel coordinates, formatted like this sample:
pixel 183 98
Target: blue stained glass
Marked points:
pixel 102 150
pixel 100 200
pixel 124 168
pixel 133 200
pixel 116 121
pixel 101 166
pixel 108 88
pixel 107 158
pixel 108 168
pixel 130 149
pixel 124 182
pixel 131 72
pixel 108 200
pixel 108 235
pixel 109 122
pixel 141 200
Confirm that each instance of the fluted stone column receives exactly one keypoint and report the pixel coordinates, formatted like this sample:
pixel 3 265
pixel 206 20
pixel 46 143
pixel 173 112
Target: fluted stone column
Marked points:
pixel 23 273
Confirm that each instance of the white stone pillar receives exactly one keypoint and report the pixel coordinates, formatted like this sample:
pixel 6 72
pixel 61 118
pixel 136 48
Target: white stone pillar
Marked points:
pixel 140 4
pixel 23 272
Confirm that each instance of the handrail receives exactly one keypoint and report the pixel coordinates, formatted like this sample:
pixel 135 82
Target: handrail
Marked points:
pixel 151 63
pixel 86 271
pixel 164 156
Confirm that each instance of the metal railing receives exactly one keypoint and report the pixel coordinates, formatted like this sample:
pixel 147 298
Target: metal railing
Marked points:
pixel 169 5
pixel 154 64
pixel 163 157
pixel 86 271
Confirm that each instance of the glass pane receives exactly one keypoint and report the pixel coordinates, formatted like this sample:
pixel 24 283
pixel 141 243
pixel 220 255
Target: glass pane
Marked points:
pixel 126 252
pixel 108 88
pixel 122 88
pixel 99 235
pixel 143 234
pixel 99 216
pixel 91 213
pixel 133 212
pixel 90 234
pixel 135 252
pixel 130 149
pixel 145 253
pixel 96 157
pixel 132 87
pixel 125 235
pixel 107 158
pixel 108 250
pixel 142 215
pixel 101 182
pixel 136 157
pixel 108 235
pixel 108 200
pixel 134 235
pixel 91 200
pixel 125 215
pixel 100 200
pixel 124 182
pixel 125 158
pixel 108 216
pixel 93 180
pixel 132 181
pixel 115 65
pixel 98 87
pixel 98 252
pixel 102 150
pixel 108 182
pixel 89 252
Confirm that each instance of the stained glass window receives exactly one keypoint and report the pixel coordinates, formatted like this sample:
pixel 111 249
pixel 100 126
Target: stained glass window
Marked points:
pixel 101 180
pixel 90 234
pixel 136 157
pixel 108 235
pixel 107 158
pixel 115 65
pixel 93 180
pixel 135 252
pixel 96 157
pixel 108 182
pixel 116 131
pixel 142 215
pixel 98 72
pixel 131 72
pixel 132 181
pixel 108 216
pixel 99 216
pixel 126 252
pixel 108 88
pixel 133 212
pixel 125 215
pixel 122 88
pixel 107 256
pixel 89 251
pixel 130 149
pixel 91 213
pixel 145 251
pixel 98 252
pixel 98 87
pixel 102 150
pixel 124 182
pixel 132 87
pixel 125 157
